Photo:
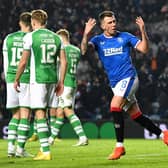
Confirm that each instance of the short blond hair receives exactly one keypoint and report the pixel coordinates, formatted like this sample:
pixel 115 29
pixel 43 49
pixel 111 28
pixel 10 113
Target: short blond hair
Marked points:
pixel 40 15
pixel 63 32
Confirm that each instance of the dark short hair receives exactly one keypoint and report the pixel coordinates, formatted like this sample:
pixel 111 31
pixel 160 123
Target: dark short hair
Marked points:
pixel 104 14
pixel 25 17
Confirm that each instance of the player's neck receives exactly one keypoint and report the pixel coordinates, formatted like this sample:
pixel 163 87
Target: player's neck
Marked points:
pixel 109 35
pixel 66 42
pixel 39 27
pixel 25 29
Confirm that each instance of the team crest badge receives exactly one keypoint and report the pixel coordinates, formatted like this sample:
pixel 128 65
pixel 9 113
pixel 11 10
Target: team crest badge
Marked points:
pixel 119 39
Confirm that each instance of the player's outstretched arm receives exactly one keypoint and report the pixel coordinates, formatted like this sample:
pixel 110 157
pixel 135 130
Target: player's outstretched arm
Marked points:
pixel 88 28
pixel 143 46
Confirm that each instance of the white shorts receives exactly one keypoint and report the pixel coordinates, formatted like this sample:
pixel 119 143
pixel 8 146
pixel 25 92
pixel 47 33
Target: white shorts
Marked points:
pixel 127 88
pixel 18 99
pixel 43 96
pixel 67 99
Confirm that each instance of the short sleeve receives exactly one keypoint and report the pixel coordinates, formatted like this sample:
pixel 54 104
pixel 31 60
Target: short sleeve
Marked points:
pixel 133 40
pixel 4 48
pixel 27 41
pixel 93 41
pixel 5 57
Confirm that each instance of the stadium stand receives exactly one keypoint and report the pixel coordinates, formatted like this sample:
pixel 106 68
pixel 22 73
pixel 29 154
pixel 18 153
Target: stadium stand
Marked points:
pixel 93 95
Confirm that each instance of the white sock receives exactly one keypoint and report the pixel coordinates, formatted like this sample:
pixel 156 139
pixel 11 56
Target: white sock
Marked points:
pixel 161 135
pixel 19 149
pixel 83 138
pixel 119 144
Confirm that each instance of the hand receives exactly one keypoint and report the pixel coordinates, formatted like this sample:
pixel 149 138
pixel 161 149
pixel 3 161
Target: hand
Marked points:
pixel 140 23
pixel 89 25
pixel 16 86
pixel 59 88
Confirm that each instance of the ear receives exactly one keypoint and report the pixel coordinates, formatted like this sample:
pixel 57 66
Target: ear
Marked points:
pixel 102 25
pixel 19 23
pixel 32 22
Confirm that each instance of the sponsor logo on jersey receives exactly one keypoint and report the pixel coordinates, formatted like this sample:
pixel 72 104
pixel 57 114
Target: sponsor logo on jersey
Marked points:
pixel 119 39
pixel 47 40
pixel 113 51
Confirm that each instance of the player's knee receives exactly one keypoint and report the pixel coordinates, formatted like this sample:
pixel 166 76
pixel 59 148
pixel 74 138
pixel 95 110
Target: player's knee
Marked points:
pixel 115 109
pixel 68 111
pixel 135 115
pixel 60 113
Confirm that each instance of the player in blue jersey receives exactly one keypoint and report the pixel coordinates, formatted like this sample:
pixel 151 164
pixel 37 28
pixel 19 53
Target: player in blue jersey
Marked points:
pixel 113 49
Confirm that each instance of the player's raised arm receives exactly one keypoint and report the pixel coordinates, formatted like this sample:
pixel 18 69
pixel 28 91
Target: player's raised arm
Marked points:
pixel 88 28
pixel 143 46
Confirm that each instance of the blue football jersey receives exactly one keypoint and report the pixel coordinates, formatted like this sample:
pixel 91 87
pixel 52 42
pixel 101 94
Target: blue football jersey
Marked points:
pixel 114 53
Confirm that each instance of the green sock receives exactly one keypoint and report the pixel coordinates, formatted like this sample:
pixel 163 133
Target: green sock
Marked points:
pixel 12 130
pixel 23 131
pixel 56 128
pixel 35 127
pixel 43 134
pixel 77 126
pixel 52 122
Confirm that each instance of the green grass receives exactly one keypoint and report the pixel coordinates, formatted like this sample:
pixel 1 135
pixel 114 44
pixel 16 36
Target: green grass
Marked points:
pixel 139 154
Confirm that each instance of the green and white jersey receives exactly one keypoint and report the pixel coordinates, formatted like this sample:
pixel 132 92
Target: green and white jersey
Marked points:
pixel 12 52
pixel 73 56
pixel 45 46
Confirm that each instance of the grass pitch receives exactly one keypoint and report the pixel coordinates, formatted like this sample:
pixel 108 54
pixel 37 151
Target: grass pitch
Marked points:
pixel 140 153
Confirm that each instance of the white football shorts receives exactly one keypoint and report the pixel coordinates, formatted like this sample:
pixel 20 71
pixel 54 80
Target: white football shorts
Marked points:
pixel 127 88
pixel 67 99
pixel 18 99
pixel 43 96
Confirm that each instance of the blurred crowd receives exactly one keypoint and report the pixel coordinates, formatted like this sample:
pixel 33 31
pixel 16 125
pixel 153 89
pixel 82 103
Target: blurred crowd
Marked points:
pixel 94 94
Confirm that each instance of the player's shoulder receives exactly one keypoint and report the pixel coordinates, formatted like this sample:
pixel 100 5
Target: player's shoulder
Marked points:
pixel 18 36
pixel 8 36
pixel 98 36
pixel 12 34
pixel 52 33
pixel 74 47
pixel 126 34
pixel 96 39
